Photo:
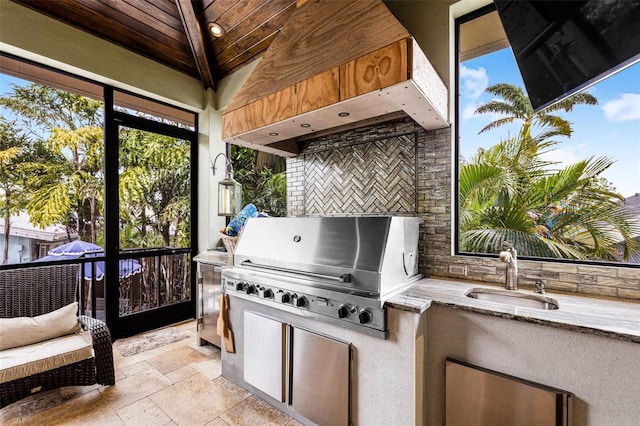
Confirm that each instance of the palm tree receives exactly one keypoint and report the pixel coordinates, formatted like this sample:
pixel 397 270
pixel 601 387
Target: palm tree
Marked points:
pixel 509 194
pixel 515 105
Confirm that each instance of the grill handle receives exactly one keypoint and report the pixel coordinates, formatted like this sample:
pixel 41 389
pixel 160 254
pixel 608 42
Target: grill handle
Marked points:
pixel 344 278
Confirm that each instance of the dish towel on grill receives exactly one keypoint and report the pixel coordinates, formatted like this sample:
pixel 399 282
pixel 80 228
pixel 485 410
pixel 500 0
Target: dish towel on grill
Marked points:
pixel 223 324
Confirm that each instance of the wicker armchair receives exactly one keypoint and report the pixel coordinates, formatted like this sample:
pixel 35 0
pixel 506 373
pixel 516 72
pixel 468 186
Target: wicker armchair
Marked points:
pixel 35 291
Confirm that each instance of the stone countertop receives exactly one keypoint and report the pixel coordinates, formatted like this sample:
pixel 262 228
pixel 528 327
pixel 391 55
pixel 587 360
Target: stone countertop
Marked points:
pixel 619 320
pixel 215 258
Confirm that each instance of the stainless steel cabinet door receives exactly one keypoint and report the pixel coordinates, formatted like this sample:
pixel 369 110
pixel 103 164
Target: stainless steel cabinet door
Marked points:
pixel 477 396
pixel 209 289
pixel 320 373
pixel 264 354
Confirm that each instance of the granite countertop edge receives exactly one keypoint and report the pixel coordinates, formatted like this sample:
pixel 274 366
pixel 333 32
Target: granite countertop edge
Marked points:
pixel 614 319
pixel 214 257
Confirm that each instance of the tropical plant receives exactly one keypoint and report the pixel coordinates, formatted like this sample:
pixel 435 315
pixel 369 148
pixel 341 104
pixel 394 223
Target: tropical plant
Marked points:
pixel 14 146
pixel 65 177
pixel 263 179
pixel 67 187
pixel 154 190
pixel 509 194
pixel 515 106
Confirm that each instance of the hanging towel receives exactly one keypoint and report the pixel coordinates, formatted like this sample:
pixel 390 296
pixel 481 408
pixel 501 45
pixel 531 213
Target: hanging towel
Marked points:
pixel 223 329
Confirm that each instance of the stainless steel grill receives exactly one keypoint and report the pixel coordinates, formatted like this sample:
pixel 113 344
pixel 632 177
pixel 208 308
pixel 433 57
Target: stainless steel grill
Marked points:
pixel 338 269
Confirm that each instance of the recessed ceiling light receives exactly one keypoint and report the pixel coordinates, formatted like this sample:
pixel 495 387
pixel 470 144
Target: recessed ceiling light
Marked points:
pixel 273 134
pixel 216 30
pixel 305 125
pixel 343 114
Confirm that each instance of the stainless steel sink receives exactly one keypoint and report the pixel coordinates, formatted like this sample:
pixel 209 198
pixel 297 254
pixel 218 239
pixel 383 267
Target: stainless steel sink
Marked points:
pixel 513 298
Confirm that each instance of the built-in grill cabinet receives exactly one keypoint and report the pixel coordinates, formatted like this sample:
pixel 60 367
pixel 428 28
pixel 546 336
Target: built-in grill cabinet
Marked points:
pixel 308 371
pixel 336 269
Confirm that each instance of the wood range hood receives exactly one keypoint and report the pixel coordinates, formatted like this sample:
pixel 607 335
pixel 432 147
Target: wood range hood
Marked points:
pixel 336 64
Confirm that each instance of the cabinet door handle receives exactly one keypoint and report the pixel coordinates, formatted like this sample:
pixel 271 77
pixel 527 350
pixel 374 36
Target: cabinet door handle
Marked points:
pixel 201 297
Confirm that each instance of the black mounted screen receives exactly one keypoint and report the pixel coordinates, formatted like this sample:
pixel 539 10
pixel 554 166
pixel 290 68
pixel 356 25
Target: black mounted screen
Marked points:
pixel 564 46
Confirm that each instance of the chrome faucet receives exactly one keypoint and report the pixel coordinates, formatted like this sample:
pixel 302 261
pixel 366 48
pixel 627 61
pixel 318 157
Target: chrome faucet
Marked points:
pixel 510 257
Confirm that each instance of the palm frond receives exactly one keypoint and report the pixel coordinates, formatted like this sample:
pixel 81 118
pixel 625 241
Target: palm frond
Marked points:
pixel 568 103
pixel 473 176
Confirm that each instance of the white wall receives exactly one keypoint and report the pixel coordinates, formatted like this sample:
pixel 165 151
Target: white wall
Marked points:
pixel 209 145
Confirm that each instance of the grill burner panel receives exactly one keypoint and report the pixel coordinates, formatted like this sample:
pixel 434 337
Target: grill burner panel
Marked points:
pixel 302 299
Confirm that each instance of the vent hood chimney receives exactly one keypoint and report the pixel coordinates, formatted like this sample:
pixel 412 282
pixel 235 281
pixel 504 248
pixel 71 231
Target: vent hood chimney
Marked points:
pixel 334 64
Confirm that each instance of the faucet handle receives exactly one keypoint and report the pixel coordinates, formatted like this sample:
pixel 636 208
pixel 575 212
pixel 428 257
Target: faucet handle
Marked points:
pixel 505 257
pixel 539 287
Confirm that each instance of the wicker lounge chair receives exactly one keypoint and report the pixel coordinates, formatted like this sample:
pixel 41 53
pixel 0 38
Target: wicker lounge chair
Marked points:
pixel 36 291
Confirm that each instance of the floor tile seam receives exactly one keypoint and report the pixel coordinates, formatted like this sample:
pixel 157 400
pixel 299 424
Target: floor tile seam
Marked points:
pixel 196 362
pixel 179 344
pixel 168 415
pixel 68 402
pixel 126 376
pixel 232 392
pixel 173 384
pixel 141 397
pixel 235 405
pixel 139 400
pixel 150 400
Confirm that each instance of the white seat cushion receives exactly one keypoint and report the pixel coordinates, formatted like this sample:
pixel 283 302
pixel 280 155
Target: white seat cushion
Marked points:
pixel 25 361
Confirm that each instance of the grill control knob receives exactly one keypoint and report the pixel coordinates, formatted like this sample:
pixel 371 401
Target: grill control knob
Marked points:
pixel 267 294
pixel 364 316
pixel 343 311
pixel 301 302
pixel 286 298
pixel 239 286
pixel 250 289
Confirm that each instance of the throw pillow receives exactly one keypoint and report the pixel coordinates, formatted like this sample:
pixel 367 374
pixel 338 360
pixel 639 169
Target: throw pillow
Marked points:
pixel 22 331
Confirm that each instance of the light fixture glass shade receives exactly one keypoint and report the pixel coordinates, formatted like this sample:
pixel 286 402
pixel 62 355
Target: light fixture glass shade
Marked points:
pixel 229 197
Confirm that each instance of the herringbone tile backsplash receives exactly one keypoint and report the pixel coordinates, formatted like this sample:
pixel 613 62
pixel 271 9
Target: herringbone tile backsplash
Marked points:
pixel 373 178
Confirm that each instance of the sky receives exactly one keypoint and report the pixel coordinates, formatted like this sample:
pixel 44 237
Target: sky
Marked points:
pixel 610 129
pixel 7 83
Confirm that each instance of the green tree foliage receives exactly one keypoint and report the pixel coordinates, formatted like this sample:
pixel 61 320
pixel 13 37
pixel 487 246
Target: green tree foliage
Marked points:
pixel 508 193
pixel 63 176
pixel 154 190
pixel 14 148
pixel 66 188
pixel 263 179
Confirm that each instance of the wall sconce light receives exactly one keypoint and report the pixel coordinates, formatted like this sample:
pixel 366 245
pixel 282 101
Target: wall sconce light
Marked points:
pixel 229 191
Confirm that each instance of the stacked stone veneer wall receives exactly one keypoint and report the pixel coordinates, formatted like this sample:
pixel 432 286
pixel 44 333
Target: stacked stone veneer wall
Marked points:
pixel 319 184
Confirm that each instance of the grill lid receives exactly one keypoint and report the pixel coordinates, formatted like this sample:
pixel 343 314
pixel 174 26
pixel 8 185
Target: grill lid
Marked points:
pixel 371 256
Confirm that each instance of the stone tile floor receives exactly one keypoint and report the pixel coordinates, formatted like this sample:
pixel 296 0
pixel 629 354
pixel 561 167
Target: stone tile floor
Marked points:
pixel 174 384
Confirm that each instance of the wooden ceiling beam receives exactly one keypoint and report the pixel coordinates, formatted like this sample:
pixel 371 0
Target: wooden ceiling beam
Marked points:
pixel 195 36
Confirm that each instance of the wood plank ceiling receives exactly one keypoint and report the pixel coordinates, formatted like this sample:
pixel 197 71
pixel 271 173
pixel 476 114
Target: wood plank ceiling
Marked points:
pixel 175 32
